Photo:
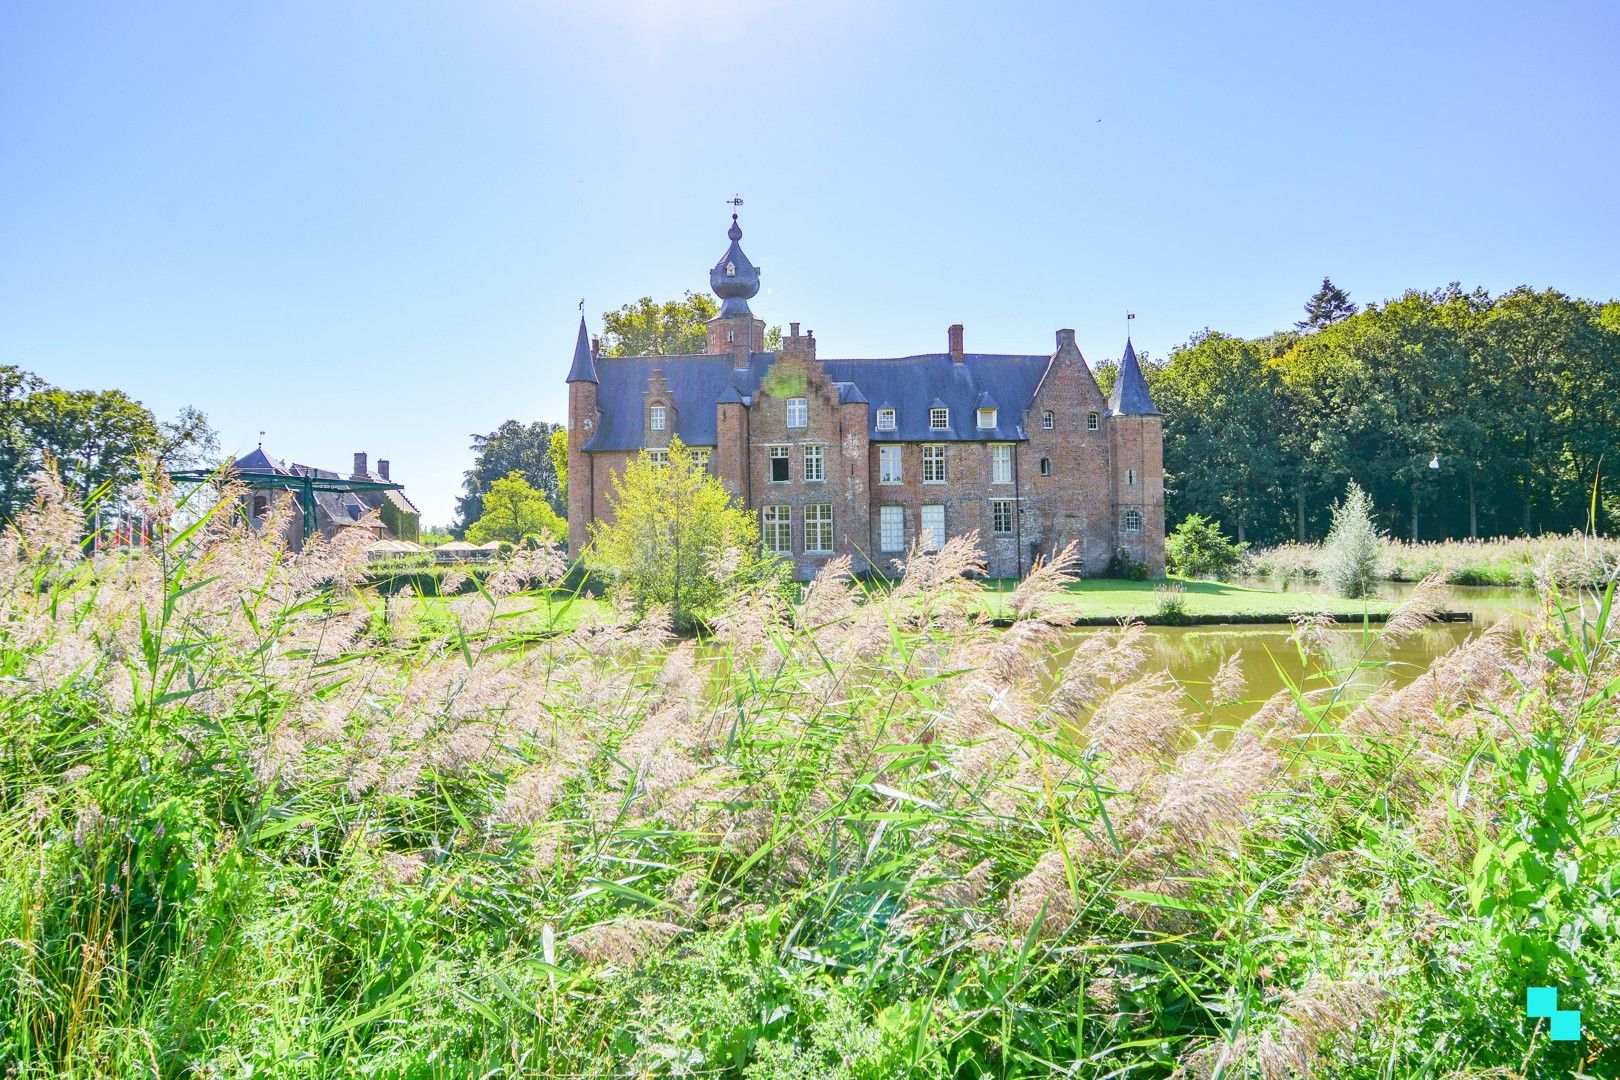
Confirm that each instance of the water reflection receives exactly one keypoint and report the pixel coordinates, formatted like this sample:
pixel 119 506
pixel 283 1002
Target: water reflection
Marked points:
pixel 1270 660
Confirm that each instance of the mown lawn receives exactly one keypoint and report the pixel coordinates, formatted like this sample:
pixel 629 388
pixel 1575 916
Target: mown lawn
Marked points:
pixel 557 611
pixel 1102 598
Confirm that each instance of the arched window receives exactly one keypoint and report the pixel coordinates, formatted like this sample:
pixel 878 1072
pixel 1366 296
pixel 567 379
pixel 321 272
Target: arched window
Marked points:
pixel 1047 420
pixel 1046 466
pixel 261 506
pixel 1093 421
pixel 1133 521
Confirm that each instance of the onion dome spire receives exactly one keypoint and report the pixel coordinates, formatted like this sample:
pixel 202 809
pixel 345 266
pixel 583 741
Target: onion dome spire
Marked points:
pixel 734 279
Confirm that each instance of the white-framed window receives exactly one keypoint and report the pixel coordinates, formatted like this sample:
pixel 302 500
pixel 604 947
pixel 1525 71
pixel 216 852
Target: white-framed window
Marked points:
pixel 779 464
pixel 1001 463
pixel 889 465
pixel 815 463
pixel 658 457
pixel 892 528
pixel 1093 421
pixel 731 269
pixel 731 337
pixel 659 417
pixel 1046 466
pixel 939 419
pixel 1048 421
pixel 933 463
pixel 933 527
pixel 1130 477
pixel 1132 521
pixel 818 536
pixel 987 418
pixel 798 412
pixel 885 419
pixel 775 528
pixel 700 457
pixel 1001 517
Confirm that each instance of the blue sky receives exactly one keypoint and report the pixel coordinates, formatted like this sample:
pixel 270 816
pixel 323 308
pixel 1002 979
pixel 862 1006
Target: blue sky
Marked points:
pixel 366 226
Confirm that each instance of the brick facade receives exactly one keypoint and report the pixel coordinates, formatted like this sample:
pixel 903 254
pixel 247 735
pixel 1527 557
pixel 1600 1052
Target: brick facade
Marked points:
pixel 1094 477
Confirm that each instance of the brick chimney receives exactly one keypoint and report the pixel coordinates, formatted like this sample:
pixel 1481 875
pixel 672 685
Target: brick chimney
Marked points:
pixel 360 463
pixel 956 342
pixel 382 468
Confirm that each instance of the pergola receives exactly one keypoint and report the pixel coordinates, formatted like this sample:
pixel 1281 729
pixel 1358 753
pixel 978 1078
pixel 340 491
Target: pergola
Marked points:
pixel 305 486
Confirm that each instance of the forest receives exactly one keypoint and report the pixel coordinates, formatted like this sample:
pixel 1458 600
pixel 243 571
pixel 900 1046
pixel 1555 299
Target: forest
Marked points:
pixel 1461 414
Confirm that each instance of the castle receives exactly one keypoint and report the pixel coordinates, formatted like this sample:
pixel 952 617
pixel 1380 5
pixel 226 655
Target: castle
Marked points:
pixel 867 457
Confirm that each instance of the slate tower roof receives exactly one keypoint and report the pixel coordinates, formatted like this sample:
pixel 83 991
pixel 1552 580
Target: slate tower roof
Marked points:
pixel 1130 396
pixel 584 367
pixel 734 279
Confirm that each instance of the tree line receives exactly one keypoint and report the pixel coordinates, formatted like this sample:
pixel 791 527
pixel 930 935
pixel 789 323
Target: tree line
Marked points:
pixel 94 438
pixel 1460 415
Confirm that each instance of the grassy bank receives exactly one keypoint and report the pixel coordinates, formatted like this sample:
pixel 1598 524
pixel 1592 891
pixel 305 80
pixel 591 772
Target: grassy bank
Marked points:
pixel 250 830
pixel 1572 561
pixel 1101 601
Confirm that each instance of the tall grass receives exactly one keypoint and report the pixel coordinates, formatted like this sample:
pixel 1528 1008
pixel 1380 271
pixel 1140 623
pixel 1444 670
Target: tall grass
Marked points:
pixel 248 831
pixel 1575 561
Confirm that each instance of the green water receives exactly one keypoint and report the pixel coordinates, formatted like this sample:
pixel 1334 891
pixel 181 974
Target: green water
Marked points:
pixel 1270 660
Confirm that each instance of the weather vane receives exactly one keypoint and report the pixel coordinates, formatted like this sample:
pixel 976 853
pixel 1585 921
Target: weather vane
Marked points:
pixel 582 305
pixel 735 200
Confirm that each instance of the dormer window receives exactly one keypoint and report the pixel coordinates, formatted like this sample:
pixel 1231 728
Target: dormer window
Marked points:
pixel 885 419
pixel 658 418
pixel 731 269
pixel 939 419
pixel 987 418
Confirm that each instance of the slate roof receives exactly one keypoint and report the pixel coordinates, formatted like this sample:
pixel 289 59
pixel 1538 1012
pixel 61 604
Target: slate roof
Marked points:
pixel 583 369
pixel 259 461
pixel 1130 396
pixel 910 385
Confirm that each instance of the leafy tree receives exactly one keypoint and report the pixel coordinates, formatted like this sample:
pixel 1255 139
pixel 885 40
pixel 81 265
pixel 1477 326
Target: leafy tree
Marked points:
pixel 647 327
pixel 95 436
pixel 1328 306
pixel 558 448
pixel 1197 548
pixel 677 540
pixel 18 451
pixel 512 447
pixel 514 511
pixel 1350 556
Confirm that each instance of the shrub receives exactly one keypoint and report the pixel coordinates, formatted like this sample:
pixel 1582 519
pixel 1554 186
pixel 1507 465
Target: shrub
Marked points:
pixel 1197 548
pixel 1350 555
pixel 1171 597
pixel 1124 565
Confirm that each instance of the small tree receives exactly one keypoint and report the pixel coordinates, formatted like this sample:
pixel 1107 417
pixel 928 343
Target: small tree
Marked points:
pixel 514 512
pixel 676 539
pixel 1197 548
pixel 558 448
pixel 1328 306
pixel 1350 554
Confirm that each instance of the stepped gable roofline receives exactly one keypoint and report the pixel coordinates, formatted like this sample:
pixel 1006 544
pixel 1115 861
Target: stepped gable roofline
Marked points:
pixel 910 385
pixel 1130 396
pixel 584 366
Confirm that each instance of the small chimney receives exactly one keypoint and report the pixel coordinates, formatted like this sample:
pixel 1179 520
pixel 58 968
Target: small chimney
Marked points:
pixel 596 345
pixel 793 329
pixel 360 464
pixel 382 468
pixel 1065 337
pixel 956 342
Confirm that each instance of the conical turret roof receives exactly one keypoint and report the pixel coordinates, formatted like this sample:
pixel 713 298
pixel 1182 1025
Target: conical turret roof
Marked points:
pixel 1130 396
pixel 584 366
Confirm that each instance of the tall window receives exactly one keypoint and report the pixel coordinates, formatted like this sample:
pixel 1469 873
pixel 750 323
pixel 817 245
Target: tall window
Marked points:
pixel 933 527
pixel 700 457
pixel 658 418
pixel 1047 420
pixel 775 531
pixel 779 464
pixel 987 418
pixel 885 419
pixel 1001 463
pixel 658 457
pixel 818 528
pixel 888 465
pixel 1133 521
pixel 1046 466
pixel 892 528
pixel 1001 517
pixel 934 463
pixel 1093 421
pixel 815 458
pixel 798 412
pixel 939 419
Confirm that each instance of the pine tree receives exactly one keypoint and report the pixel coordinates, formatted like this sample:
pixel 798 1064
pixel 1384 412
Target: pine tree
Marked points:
pixel 1328 306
